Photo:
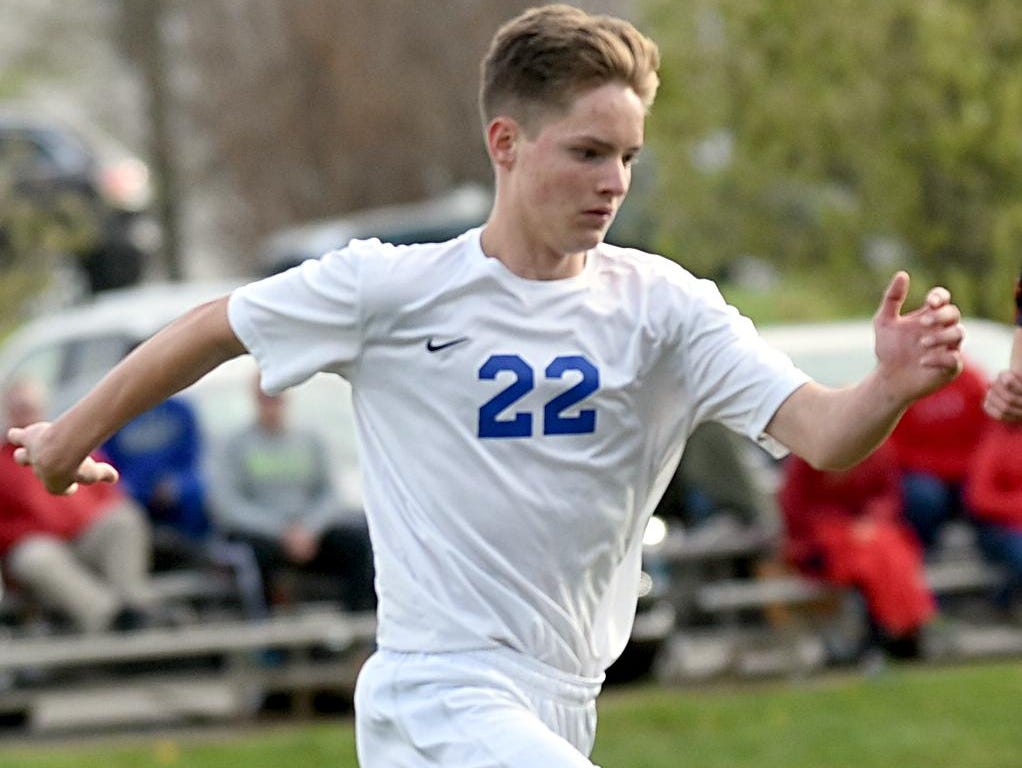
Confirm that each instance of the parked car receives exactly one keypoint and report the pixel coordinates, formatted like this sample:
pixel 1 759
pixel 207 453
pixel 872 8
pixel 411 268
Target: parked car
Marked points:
pixel 70 351
pixel 95 192
pixel 430 221
pixel 735 606
pixel 841 352
pixel 433 220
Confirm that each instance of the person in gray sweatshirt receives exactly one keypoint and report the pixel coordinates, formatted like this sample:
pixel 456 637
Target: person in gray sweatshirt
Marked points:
pixel 272 490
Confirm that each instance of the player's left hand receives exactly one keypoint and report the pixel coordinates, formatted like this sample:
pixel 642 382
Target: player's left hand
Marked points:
pixel 920 351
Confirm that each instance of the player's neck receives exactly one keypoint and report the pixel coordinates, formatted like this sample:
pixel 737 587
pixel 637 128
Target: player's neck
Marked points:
pixel 529 257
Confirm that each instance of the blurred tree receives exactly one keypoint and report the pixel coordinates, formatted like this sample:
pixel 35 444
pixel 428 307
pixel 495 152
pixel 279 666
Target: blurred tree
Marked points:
pixel 39 39
pixel 327 106
pixel 142 42
pixel 845 138
pixel 35 234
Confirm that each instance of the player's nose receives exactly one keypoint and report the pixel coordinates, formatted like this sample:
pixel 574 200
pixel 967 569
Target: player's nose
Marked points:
pixel 615 178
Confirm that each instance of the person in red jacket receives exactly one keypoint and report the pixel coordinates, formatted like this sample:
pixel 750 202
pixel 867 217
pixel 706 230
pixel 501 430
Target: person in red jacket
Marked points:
pixel 84 556
pixel 847 528
pixel 994 499
pixel 934 441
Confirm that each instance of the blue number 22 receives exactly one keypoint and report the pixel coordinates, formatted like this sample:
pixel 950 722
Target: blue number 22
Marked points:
pixel 554 423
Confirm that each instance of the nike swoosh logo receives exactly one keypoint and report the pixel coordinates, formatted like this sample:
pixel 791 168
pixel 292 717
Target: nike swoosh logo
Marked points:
pixel 435 346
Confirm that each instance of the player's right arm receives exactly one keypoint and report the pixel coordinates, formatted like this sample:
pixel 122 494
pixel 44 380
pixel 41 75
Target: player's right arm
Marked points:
pixel 171 360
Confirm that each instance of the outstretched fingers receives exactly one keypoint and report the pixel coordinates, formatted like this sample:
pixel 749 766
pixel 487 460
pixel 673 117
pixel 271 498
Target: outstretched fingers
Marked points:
pixel 920 350
pixel 938 297
pixel 944 332
pixel 942 327
pixel 16 436
pixel 27 453
pixel 91 471
pixel 894 297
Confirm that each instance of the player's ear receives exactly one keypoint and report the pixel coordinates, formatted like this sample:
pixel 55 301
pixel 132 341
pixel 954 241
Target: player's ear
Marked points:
pixel 502 136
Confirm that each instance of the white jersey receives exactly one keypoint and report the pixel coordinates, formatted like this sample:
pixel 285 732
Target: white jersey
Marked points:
pixel 515 434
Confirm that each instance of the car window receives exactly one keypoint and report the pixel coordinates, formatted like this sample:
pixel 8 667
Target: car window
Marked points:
pixel 988 345
pixel 63 151
pixel 224 405
pixel 90 358
pixel 44 365
pixel 835 367
pixel 82 363
pixel 837 355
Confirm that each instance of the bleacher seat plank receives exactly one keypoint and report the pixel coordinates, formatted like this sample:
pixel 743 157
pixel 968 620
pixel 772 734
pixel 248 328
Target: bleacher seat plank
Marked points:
pixel 333 628
pixel 742 594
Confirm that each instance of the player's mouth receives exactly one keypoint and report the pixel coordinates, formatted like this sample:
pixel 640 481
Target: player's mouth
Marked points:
pixel 600 216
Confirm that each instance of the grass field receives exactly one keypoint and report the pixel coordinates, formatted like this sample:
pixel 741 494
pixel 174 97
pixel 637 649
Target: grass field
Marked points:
pixel 908 717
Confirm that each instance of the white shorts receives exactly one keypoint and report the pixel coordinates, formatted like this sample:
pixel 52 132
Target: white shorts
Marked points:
pixel 489 708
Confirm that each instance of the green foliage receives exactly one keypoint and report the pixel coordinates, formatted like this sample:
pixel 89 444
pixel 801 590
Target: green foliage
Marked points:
pixel 20 276
pixel 812 295
pixel 800 296
pixel 819 135
pixel 33 235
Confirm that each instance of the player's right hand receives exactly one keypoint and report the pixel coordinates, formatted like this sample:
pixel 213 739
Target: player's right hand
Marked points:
pixel 31 442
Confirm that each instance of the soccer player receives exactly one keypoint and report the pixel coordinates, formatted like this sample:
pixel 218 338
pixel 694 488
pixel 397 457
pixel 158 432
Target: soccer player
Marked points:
pixel 523 394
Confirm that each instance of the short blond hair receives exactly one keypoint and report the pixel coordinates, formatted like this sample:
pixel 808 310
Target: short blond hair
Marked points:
pixel 541 60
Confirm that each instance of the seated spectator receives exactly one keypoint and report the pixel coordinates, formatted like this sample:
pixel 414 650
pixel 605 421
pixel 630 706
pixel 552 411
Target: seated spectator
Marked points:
pixel 993 497
pixel 159 457
pixel 847 528
pixel 83 556
pixel 719 495
pixel 272 490
pixel 935 441
pixel 719 474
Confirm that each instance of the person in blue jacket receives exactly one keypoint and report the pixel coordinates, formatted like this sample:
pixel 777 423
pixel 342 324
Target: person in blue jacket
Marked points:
pixel 159 456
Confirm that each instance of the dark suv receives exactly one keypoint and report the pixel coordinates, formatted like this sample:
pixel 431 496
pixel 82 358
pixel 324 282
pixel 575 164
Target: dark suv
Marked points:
pixel 95 196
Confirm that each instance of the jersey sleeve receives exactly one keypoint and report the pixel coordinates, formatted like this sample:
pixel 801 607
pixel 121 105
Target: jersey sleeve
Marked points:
pixel 304 320
pixel 736 377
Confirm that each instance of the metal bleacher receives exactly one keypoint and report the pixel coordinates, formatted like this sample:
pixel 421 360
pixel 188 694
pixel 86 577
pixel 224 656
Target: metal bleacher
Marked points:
pixel 771 620
pixel 211 665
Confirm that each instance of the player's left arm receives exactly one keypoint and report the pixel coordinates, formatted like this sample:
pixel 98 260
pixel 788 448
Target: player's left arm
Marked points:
pixel 917 353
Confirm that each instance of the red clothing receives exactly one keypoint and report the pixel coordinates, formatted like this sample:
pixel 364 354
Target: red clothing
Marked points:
pixel 26 507
pixel 811 500
pixel 938 434
pixel 994 491
pixel 846 528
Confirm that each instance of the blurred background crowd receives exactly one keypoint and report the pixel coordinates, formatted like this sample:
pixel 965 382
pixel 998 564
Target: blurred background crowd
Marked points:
pixel 798 153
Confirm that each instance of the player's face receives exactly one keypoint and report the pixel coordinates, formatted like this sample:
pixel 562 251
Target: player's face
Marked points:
pixel 573 171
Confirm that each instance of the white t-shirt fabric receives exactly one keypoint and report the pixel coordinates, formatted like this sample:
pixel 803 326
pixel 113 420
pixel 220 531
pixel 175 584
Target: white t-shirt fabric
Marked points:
pixel 514 434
